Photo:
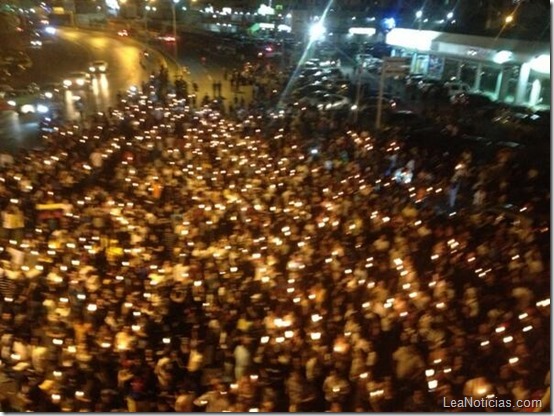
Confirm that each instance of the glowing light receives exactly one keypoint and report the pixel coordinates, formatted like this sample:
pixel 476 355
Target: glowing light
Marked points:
pixel 317 31
pixel 541 64
pixel 368 31
pixel 411 38
pixel 502 57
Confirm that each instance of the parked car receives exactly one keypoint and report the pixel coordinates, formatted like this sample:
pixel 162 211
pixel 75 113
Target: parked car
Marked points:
pixel 371 103
pixel 334 102
pixel 412 80
pixel 333 72
pixel 405 120
pixel 338 86
pixel 471 99
pixel 427 85
pixel 314 98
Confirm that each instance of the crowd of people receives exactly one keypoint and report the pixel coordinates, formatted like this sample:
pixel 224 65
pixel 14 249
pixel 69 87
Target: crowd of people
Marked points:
pixel 167 257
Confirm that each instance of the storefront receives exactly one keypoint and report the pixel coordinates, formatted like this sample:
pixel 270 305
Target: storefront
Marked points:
pixel 508 70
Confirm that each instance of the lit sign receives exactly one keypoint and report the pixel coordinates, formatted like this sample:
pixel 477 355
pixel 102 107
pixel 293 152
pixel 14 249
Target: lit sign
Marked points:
pixel 368 31
pixel 411 38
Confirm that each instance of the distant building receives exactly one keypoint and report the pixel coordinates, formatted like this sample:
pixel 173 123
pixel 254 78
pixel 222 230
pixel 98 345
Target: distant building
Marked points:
pixel 509 70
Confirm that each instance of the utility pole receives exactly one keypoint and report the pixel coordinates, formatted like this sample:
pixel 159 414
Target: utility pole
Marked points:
pixel 380 97
pixel 173 9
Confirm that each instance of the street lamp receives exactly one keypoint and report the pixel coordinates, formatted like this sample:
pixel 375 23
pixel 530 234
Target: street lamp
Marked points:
pixel 509 19
pixel 174 5
pixel 419 15
pixel 317 31
pixel 148 9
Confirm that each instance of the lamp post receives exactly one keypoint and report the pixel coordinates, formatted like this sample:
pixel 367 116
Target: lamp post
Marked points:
pixel 173 9
pixel 148 9
pixel 419 16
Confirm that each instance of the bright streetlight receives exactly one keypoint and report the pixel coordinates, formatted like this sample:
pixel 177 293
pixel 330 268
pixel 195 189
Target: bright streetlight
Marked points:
pixel 509 19
pixel 419 15
pixel 148 9
pixel 450 15
pixel 174 4
pixel 317 31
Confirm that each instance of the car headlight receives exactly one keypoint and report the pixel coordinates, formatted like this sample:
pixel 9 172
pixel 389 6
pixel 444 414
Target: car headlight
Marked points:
pixel 12 103
pixel 67 83
pixel 42 109
pixel 80 82
pixel 50 30
pixel 91 68
pixel 102 68
pixel 49 95
pixel 27 108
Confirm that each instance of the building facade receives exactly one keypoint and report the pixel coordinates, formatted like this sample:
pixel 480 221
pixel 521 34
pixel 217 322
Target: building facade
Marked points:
pixel 511 71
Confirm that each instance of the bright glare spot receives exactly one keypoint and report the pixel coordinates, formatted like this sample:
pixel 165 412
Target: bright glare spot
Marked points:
pixel 317 31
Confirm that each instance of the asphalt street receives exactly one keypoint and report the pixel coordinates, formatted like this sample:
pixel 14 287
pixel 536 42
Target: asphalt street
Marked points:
pixel 72 49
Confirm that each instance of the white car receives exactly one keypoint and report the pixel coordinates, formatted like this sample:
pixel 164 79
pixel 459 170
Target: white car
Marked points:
pixel 24 102
pixel 332 102
pixel 77 80
pixel 98 67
